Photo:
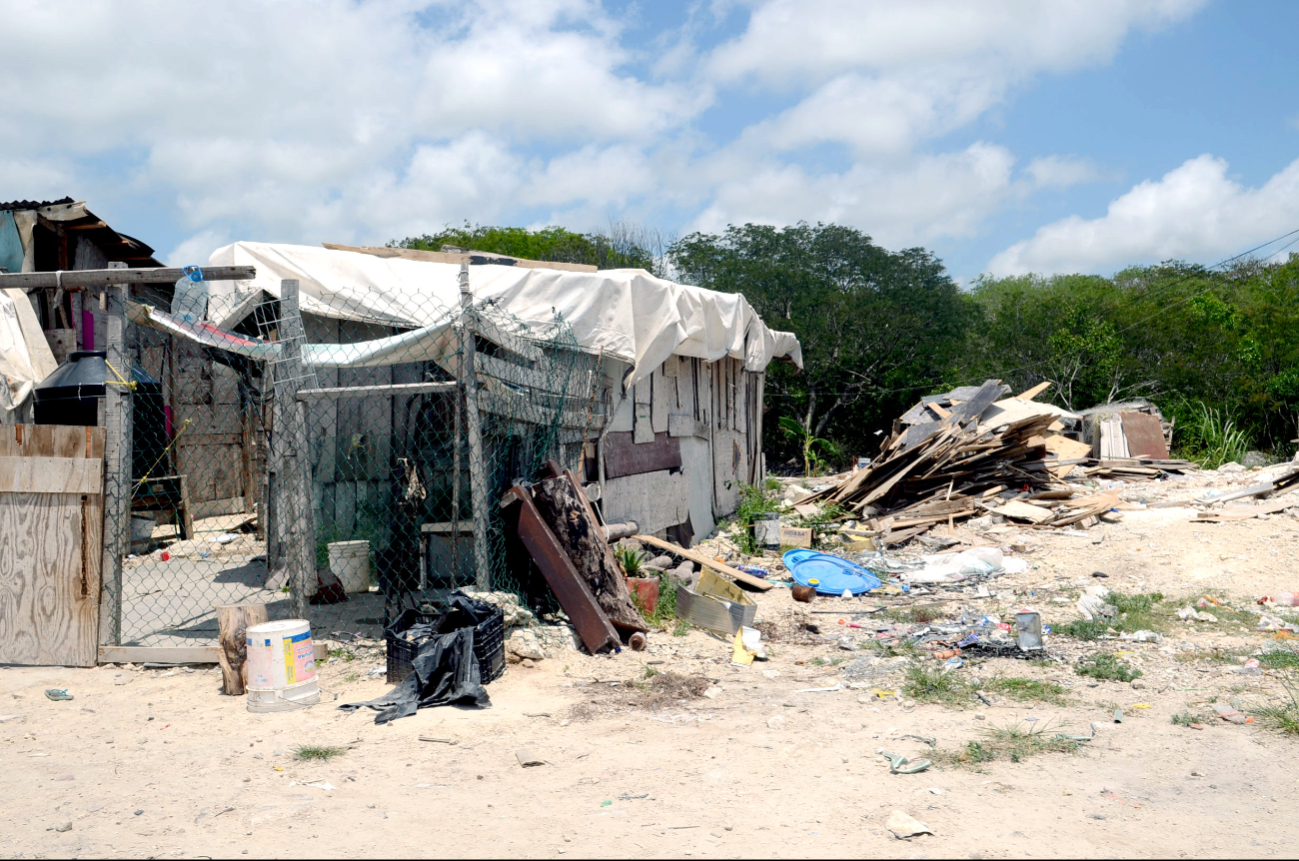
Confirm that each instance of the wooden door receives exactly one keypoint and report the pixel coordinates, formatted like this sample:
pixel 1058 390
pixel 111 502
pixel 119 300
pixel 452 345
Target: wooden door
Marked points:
pixel 51 544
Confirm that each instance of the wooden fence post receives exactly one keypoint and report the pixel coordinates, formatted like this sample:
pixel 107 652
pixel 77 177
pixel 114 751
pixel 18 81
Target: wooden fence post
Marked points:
pixel 474 428
pixel 292 484
pixel 116 420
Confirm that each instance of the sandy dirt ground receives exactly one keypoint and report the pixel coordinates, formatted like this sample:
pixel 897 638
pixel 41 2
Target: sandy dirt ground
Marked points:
pixel 158 763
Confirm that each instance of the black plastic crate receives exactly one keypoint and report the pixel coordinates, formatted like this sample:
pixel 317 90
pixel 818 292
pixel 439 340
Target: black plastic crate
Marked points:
pixel 489 641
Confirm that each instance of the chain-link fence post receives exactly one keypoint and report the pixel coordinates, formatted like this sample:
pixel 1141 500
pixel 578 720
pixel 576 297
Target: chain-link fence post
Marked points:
pixel 290 437
pixel 473 426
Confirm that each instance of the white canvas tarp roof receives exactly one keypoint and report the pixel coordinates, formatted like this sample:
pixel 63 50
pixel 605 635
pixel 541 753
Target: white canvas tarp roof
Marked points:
pixel 628 313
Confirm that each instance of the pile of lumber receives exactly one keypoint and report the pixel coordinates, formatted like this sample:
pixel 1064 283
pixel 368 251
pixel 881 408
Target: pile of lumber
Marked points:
pixel 947 463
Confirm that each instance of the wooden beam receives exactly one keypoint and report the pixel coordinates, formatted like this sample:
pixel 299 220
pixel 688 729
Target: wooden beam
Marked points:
pixel 399 389
pixel 707 561
pixel 116 419
pixel 1033 392
pixel 73 280
pixel 175 654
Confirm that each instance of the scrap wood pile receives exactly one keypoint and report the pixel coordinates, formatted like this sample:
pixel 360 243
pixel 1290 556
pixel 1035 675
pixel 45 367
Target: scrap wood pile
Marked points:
pixel 558 527
pixel 968 453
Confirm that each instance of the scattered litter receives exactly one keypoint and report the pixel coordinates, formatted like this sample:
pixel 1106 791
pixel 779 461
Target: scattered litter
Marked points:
pixel 528 759
pixel 837 687
pixel 921 738
pixel 1070 737
pixel 224 538
pixel 317 784
pixel 1230 714
pixel 1118 715
pixel 899 764
pixel 1141 705
pixel 439 740
pixel 58 695
pixel 902 826
pixel 1189 613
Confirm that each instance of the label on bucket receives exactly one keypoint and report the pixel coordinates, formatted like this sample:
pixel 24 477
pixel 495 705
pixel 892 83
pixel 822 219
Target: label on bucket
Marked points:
pixel 299 659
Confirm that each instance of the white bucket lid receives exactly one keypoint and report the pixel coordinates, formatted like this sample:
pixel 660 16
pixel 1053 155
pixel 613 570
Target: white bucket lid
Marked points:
pixel 286 626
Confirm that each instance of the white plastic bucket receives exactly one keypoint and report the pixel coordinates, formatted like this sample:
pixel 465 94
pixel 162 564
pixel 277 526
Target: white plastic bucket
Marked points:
pixel 349 561
pixel 281 667
pixel 142 528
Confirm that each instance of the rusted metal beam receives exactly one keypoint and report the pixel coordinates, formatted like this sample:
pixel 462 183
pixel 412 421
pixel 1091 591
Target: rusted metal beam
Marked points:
pixel 574 595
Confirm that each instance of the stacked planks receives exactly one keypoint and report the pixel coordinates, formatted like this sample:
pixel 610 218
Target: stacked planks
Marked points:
pixel 958 466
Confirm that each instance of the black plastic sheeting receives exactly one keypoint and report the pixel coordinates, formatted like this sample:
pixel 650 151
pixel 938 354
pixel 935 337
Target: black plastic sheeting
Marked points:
pixel 445 671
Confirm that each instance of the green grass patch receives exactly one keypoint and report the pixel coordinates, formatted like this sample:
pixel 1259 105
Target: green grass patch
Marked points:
pixel 931 685
pixel 1147 611
pixel 1080 629
pixel 1215 655
pixel 1106 666
pixel 1280 659
pixel 1011 743
pixel 1282 712
pixel 351 677
pixel 309 753
pixel 344 655
pixel 913 615
pixel 1185 718
pixel 1026 690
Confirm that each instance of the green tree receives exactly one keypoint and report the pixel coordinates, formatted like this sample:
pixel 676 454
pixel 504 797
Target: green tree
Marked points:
pixel 624 247
pixel 878 328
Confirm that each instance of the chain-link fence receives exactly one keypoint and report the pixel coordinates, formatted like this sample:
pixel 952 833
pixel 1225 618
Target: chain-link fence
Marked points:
pixel 331 464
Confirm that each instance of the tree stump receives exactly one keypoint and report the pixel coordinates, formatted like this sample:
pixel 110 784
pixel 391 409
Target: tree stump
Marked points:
pixel 233 622
pixel 564 507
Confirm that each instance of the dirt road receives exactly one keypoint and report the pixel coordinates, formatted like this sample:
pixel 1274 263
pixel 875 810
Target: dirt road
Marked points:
pixel 158 763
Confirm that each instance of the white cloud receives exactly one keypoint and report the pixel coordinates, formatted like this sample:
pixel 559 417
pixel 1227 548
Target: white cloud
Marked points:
pixel 1195 212
pixel 1061 171
pixel 945 195
pixel 800 41
pixel 366 121
pixel 195 250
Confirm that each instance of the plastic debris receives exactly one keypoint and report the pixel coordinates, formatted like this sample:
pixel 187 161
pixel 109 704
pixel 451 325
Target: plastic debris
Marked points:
pixel 899 764
pixel 58 695
pixel 902 826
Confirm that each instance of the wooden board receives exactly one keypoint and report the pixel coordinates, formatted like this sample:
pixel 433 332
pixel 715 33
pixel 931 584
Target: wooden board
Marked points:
pixel 624 456
pixel 51 475
pixel 51 520
pixel 1245 512
pixel 1017 510
pixel 174 654
pixel 1145 435
pixel 706 561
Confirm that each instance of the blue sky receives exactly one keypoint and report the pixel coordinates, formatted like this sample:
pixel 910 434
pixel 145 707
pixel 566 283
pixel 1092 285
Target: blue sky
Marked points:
pixel 1007 136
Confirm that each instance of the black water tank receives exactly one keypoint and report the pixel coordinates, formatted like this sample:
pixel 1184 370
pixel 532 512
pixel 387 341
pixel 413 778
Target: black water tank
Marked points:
pixel 71 395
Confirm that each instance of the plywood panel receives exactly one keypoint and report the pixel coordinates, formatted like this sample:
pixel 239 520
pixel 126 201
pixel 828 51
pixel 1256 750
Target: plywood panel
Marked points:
pixel 49 599
pixel 655 500
pixel 659 403
pixel 51 475
pixel 1145 435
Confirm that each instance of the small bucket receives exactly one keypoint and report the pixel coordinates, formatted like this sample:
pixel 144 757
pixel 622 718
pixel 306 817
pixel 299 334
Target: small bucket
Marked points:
pixel 349 561
pixel 281 667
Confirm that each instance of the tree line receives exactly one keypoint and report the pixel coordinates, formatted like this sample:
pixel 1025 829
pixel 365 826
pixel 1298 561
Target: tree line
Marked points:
pixel 1216 348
